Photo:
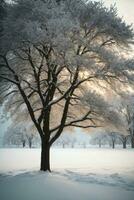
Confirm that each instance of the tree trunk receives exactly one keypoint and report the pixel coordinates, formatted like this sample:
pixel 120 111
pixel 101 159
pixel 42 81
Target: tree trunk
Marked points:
pixel 45 157
pixel 23 143
pixel 124 145
pixel 132 142
pixel 113 144
pixel 99 144
pixel 30 144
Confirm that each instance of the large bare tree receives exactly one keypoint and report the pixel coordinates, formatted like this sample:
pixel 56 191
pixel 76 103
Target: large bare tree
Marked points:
pixel 52 51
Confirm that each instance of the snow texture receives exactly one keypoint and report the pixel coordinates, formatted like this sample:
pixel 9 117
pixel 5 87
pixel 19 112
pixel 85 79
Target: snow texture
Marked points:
pixel 77 174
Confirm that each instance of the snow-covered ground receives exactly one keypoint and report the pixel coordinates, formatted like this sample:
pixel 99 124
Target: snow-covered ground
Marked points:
pixel 77 174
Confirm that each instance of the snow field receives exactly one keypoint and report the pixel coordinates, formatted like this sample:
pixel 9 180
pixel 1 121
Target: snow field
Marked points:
pixel 77 174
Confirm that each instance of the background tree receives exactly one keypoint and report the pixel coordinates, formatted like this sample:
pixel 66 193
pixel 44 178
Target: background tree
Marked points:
pixel 51 51
pixel 65 142
pixel 30 138
pixel 123 138
pixel 73 142
pixel 15 136
pixel 127 110
pixel 130 121
pixel 98 139
pixel 113 137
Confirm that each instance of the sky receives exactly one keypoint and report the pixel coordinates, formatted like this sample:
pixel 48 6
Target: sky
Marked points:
pixel 125 10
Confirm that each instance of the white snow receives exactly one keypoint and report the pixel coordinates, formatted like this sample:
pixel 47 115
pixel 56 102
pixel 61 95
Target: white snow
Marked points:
pixel 77 174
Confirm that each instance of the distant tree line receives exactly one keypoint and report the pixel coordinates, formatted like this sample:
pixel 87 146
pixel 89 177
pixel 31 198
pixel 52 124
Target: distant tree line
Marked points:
pixel 112 139
pixel 19 136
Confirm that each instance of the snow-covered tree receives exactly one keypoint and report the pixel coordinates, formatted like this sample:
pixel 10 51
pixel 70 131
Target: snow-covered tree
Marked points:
pixel 19 134
pixel 50 51
pixel 15 136
pixel 127 110
pixel 2 17
pixel 112 138
pixel 123 138
pixel 64 141
pixel 98 139
pixel 73 142
pixel 30 138
pixel 2 14
pixel 130 120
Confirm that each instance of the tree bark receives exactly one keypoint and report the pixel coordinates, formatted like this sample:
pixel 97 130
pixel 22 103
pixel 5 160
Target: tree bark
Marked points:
pixel 45 157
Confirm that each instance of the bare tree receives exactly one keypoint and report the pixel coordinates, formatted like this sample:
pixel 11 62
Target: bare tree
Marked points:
pixel 51 51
